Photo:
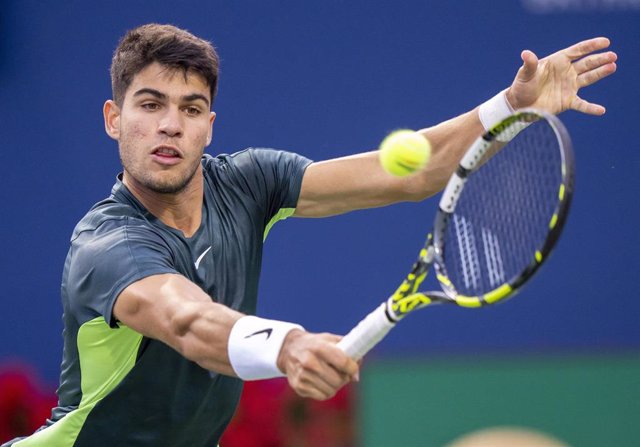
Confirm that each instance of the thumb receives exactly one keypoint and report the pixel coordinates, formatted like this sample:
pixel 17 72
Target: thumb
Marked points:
pixel 529 66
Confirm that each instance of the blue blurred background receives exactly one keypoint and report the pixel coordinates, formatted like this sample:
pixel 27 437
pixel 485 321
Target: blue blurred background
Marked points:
pixel 327 79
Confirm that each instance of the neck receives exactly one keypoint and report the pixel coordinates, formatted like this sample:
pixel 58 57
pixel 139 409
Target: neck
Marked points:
pixel 181 210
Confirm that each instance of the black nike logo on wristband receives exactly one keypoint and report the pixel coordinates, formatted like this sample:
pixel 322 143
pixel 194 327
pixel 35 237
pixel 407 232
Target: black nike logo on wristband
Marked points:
pixel 267 331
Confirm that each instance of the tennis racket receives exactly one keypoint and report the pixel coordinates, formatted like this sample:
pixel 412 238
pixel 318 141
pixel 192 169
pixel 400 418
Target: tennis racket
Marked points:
pixel 499 217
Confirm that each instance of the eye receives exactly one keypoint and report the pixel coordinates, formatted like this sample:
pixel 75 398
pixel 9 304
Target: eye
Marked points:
pixel 151 106
pixel 192 111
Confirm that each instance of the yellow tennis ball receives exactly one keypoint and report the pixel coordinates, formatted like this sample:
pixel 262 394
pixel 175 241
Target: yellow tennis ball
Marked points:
pixel 404 152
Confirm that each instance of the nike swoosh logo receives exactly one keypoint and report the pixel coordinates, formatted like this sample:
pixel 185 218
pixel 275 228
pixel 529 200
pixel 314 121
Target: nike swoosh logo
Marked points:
pixel 202 256
pixel 267 331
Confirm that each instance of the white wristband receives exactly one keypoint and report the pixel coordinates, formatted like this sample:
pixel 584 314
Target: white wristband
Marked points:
pixel 254 345
pixel 494 110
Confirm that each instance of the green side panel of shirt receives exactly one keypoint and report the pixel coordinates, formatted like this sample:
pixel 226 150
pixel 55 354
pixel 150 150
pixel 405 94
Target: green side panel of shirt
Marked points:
pixel 280 215
pixel 106 357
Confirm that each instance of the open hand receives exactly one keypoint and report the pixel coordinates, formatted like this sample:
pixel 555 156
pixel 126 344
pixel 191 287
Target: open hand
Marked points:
pixel 552 83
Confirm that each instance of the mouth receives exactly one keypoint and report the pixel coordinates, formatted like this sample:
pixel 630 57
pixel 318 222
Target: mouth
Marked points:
pixel 166 154
pixel 167 151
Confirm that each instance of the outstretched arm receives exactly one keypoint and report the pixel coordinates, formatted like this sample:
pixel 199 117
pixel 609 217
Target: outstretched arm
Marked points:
pixel 551 84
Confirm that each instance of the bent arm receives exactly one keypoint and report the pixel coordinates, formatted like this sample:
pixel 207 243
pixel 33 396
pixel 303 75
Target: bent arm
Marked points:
pixel 172 309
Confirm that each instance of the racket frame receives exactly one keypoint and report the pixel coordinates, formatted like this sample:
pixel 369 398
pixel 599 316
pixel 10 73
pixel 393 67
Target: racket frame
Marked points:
pixel 407 298
pixel 503 132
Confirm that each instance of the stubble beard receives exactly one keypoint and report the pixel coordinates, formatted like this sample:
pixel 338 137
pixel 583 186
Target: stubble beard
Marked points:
pixel 171 185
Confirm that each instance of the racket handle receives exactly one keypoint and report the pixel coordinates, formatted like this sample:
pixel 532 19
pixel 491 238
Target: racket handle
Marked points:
pixel 367 333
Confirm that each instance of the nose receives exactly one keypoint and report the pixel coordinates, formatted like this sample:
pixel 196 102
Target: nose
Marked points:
pixel 170 123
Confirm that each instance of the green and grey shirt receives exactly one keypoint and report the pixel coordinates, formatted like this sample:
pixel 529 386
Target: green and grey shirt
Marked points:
pixel 118 388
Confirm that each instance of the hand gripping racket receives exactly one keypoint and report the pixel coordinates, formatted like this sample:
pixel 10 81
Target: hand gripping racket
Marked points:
pixel 499 217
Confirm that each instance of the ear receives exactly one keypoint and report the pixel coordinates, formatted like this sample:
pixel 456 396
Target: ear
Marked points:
pixel 212 118
pixel 111 113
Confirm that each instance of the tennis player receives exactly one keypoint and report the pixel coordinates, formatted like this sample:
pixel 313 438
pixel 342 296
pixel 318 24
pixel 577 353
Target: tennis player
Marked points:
pixel 160 284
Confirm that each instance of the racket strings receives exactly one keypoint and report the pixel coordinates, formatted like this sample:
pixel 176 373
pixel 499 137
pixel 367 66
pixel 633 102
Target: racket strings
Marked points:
pixel 502 217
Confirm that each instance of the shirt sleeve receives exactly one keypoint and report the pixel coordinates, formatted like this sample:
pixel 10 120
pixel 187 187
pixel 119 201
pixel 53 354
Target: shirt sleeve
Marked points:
pixel 272 177
pixel 104 261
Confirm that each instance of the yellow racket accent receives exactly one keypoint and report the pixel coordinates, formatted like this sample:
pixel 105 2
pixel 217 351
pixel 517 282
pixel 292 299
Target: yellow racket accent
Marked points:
pixel 498 294
pixel 554 221
pixel 538 257
pixel 408 303
pixel 561 192
pixel 409 285
pixel 468 301
pixel 444 280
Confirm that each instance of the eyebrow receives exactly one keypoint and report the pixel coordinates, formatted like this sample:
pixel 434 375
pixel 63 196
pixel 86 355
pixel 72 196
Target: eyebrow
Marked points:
pixel 158 94
pixel 195 97
pixel 150 91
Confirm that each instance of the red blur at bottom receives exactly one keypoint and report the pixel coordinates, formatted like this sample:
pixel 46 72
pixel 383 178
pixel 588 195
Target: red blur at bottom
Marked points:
pixel 25 403
pixel 272 415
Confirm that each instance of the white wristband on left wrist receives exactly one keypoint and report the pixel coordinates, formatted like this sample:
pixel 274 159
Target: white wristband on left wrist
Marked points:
pixel 254 345
pixel 494 110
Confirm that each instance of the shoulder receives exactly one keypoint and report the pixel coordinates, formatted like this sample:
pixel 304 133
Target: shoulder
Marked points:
pixel 110 224
pixel 113 243
pixel 112 247
pixel 253 158
pixel 106 211
pixel 270 178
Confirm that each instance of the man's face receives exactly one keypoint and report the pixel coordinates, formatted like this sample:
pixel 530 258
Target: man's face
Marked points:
pixel 162 128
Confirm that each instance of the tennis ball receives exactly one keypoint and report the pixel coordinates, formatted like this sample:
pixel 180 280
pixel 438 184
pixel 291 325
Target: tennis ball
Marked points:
pixel 403 152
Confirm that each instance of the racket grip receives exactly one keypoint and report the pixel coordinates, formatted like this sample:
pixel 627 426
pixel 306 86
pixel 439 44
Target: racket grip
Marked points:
pixel 367 333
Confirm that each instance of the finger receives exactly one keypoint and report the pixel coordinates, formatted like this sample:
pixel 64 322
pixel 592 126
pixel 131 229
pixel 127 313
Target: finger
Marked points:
pixel 332 376
pixel 583 106
pixel 593 76
pixel 342 363
pixel 529 66
pixel 320 385
pixel 585 47
pixel 336 357
pixel 321 390
pixel 594 61
pixel 312 382
pixel 330 364
pixel 337 380
pixel 333 338
pixel 313 391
